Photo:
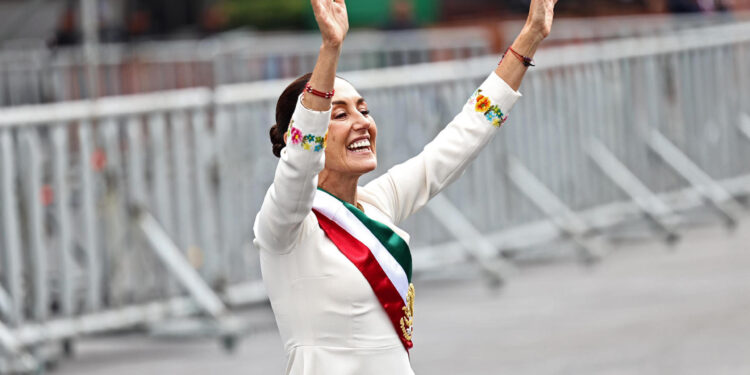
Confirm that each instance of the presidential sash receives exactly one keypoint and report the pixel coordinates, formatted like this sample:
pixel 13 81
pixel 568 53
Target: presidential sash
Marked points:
pixel 378 252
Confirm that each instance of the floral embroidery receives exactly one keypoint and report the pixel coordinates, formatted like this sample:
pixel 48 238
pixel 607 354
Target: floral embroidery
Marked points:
pixel 320 143
pixel 307 141
pixel 483 103
pixel 296 134
pixel 491 112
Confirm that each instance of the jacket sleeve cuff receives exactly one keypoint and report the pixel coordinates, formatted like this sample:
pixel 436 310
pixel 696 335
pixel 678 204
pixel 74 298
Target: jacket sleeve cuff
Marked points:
pixel 308 128
pixel 494 100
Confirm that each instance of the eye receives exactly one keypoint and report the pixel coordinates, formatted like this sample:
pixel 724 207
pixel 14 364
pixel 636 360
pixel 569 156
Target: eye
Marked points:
pixel 365 112
pixel 340 115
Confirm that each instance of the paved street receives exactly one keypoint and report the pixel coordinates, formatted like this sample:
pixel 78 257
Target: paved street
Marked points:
pixel 644 310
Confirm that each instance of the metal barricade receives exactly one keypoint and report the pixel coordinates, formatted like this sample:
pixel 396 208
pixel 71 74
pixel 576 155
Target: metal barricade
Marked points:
pixel 30 76
pixel 43 75
pixel 129 210
pixel 588 29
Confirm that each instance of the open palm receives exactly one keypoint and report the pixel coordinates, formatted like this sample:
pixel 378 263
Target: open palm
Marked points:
pixel 332 19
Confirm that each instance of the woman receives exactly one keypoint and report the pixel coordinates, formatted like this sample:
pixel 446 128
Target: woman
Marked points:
pixel 336 266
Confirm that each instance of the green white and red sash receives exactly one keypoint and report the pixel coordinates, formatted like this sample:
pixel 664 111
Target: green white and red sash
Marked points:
pixel 378 252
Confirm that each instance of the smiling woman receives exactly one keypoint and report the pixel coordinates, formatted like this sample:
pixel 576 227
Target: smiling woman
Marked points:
pixel 335 263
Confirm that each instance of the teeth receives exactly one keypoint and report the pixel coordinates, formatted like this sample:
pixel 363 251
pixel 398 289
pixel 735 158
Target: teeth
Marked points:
pixel 359 144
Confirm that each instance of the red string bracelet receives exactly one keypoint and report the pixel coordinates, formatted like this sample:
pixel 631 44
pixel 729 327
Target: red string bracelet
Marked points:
pixel 327 95
pixel 525 60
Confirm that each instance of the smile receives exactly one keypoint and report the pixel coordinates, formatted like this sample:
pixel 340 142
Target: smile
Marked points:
pixel 359 146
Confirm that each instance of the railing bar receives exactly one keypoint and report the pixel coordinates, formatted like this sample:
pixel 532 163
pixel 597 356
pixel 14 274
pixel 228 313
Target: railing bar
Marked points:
pixel 90 219
pixel 204 154
pixel 185 233
pixel 37 249
pixel 12 261
pixel 117 214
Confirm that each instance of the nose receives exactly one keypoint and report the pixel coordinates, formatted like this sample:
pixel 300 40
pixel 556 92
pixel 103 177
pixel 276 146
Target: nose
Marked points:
pixel 361 122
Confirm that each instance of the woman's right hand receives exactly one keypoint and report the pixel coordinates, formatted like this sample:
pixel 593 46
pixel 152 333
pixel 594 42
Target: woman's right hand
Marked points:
pixel 332 19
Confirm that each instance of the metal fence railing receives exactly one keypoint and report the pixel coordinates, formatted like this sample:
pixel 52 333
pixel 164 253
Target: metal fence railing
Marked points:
pixel 590 29
pixel 39 75
pixel 43 75
pixel 667 117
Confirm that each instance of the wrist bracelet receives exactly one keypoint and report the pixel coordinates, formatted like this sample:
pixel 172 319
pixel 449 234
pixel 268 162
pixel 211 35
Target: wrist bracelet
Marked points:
pixel 326 95
pixel 525 60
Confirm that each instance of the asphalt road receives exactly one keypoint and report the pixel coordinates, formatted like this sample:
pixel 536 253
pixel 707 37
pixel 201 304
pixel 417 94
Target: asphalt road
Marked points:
pixel 644 310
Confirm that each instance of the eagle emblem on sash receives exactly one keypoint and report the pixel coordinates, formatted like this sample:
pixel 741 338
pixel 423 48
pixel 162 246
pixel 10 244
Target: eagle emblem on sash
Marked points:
pixel 407 321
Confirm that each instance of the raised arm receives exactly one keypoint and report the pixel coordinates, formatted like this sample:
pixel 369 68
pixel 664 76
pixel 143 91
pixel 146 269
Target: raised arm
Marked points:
pixel 408 186
pixel 333 22
pixel 289 199
pixel 538 26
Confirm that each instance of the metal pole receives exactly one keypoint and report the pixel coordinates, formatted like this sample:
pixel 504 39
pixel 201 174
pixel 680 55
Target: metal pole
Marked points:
pixel 90 27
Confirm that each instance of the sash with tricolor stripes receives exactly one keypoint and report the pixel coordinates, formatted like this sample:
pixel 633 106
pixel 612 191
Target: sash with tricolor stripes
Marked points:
pixel 378 252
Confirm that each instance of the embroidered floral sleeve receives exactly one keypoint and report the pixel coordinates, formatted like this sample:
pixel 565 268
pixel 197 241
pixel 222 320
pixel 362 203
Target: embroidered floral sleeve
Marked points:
pixel 307 141
pixel 492 112
pixel 288 201
pixel 407 187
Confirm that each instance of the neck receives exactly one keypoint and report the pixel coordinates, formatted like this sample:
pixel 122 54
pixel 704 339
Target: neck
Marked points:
pixel 343 187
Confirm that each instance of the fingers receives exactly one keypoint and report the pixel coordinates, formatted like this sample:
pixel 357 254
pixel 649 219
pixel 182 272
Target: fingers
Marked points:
pixel 318 6
pixel 341 3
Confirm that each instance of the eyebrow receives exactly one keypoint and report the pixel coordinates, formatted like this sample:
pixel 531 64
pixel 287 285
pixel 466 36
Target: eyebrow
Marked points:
pixel 341 102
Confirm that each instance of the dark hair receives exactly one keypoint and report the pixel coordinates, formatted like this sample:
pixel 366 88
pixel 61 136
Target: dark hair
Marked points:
pixel 284 110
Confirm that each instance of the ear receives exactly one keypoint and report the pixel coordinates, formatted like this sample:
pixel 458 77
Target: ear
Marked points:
pixel 286 136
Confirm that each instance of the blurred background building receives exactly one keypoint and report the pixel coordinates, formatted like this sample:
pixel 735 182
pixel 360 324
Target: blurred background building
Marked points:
pixel 131 20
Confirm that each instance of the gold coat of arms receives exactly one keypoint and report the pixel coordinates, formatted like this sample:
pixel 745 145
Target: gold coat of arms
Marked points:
pixel 407 321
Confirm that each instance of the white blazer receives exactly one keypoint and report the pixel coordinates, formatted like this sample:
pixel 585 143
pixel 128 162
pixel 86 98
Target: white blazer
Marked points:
pixel 330 321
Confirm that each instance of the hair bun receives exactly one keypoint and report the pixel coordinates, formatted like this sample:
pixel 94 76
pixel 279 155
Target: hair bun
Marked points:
pixel 277 140
pixel 285 107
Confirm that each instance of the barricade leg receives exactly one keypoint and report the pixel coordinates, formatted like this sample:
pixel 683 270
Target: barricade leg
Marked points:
pixel 476 246
pixel 710 190
pixel 174 260
pixel 567 221
pixel 650 205
pixel 228 326
pixel 16 359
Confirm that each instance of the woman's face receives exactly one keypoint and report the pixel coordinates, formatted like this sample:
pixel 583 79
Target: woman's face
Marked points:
pixel 350 148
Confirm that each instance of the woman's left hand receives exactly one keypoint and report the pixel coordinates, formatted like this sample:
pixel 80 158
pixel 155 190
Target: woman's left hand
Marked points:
pixel 541 14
